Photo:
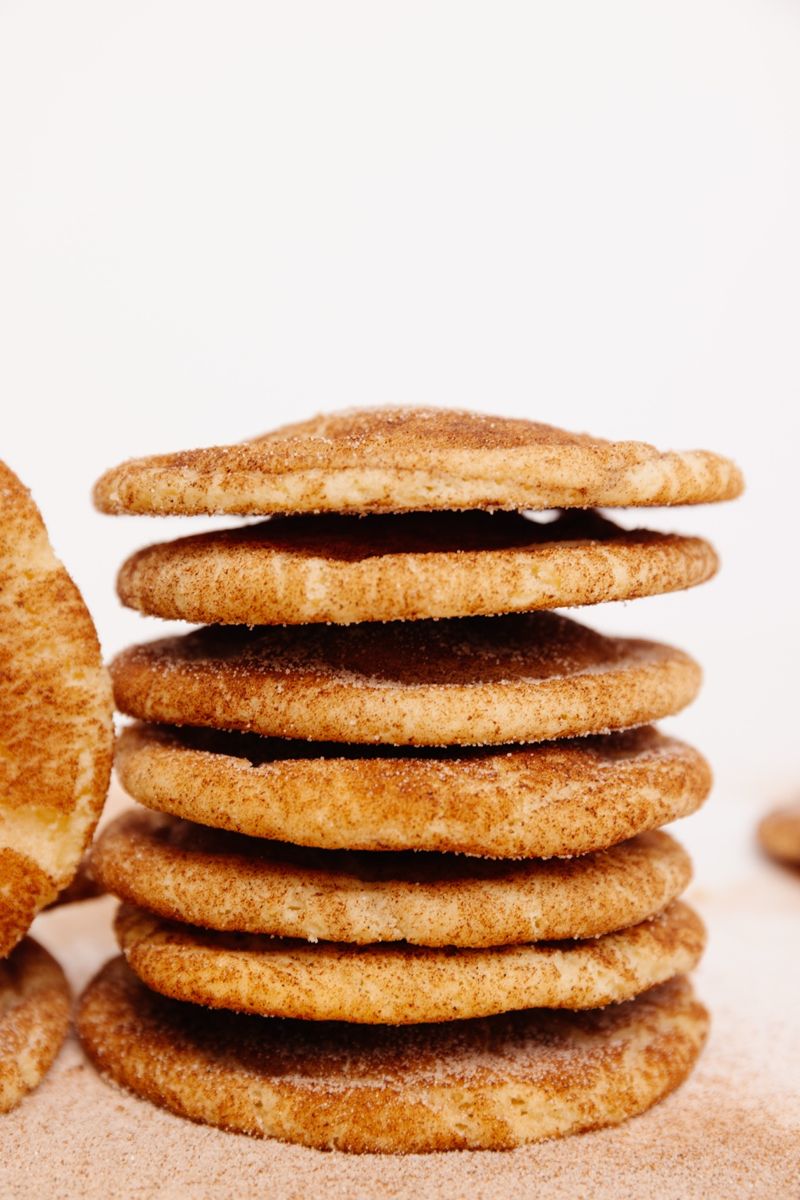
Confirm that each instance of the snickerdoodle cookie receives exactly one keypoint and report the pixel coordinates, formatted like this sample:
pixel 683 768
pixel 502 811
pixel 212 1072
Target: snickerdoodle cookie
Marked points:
pixel 415 459
pixel 535 801
pixel 34 1018
pixel 298 570
pixel 204 877
pixel 493 1083
pixel 779 833
pixel 55 718
pixel 399 984
pixel 488 680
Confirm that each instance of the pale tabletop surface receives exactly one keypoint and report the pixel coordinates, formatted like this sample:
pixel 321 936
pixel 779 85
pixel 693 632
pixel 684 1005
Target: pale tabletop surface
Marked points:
pixel 732 1130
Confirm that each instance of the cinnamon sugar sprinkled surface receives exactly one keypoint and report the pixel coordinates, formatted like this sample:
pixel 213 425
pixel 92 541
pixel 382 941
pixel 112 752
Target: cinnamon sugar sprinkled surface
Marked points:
pixel 731 1131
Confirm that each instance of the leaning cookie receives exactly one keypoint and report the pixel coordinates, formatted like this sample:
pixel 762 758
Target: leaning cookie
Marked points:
pixel 55 717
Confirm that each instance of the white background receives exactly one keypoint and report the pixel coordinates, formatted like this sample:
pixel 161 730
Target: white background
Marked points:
pixel 218 217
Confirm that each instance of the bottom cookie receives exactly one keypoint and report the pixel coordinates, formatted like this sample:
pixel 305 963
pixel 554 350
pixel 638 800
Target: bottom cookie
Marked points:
pixel 34 1018
pixel 490 1083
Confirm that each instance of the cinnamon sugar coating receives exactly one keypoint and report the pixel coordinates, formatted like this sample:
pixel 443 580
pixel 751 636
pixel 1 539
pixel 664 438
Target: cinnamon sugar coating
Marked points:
pixel 34 1018
pixel 399 984
pixel 531 801
pixel 415 459
pixel 483 1084
pixel 204 877
pixel 483 680
pixel 55 718
pixel 297 570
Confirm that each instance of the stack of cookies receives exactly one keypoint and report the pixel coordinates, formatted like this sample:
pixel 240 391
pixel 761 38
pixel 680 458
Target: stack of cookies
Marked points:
pixel 392 801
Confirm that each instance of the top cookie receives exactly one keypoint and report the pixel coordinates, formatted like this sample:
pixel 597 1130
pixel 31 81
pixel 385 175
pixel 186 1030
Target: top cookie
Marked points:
pixel 414 459
pixel 56 709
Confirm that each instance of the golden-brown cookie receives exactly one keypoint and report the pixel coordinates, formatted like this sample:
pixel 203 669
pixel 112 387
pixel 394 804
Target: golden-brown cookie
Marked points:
pixel 415 459
pixel 779 833
pixel 483 1084
pixel 224 881
pixel 55 718
pixel 398 984
pixel 297 570
pixel 482 680
pixel 34 1018
pixel 557 798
